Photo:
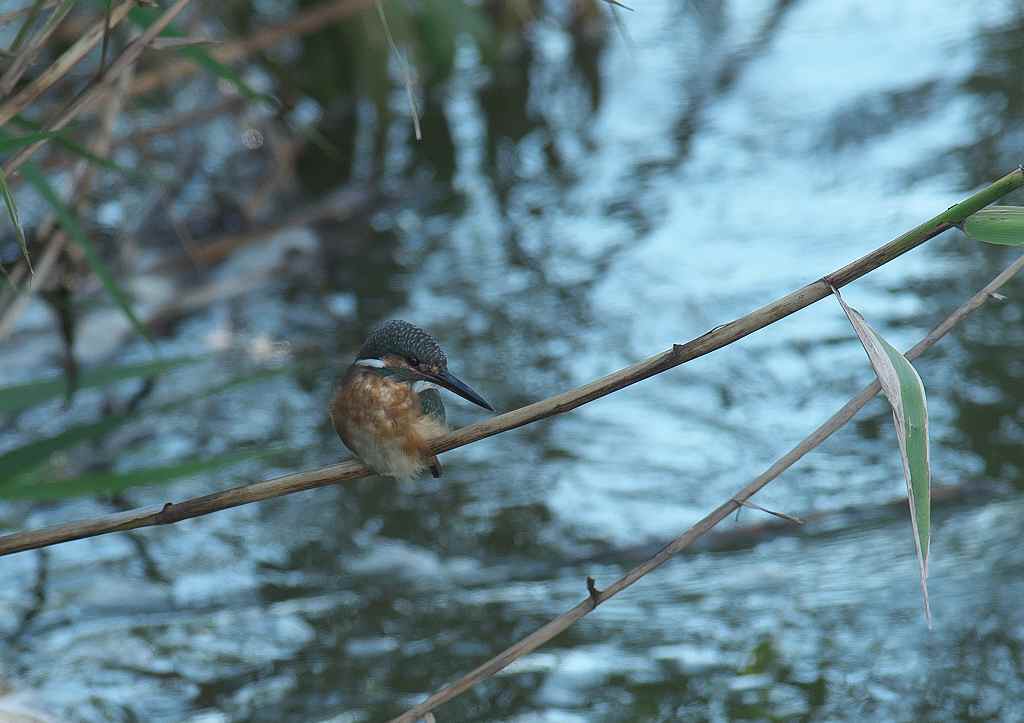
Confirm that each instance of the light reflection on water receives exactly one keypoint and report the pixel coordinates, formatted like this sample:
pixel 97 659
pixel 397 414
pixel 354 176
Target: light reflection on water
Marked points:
pixel 723 166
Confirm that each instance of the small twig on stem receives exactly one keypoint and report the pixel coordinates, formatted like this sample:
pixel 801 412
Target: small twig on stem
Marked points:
pixel 781 515
pixel 595 594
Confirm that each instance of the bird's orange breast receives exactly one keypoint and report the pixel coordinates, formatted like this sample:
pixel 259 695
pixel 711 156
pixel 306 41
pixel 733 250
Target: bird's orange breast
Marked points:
pixel 382 421
pixel 375 405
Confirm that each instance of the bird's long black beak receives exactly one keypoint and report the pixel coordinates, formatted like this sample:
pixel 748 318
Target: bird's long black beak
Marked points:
pixel 452 383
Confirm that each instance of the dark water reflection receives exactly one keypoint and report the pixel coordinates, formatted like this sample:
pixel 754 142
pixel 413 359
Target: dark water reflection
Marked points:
pixel 579 204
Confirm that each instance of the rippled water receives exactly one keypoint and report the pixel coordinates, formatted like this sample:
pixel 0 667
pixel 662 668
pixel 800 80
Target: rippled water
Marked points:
pixel 572 211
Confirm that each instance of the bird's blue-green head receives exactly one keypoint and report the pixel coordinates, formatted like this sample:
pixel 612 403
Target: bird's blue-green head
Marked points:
pixel 412 354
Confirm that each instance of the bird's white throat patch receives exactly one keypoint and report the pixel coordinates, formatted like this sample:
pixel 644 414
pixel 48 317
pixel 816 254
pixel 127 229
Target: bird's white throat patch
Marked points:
pixel 375 363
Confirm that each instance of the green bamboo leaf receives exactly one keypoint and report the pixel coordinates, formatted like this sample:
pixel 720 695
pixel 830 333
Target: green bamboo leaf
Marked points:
pixel 1003 225
pixel 69 222
pixel 17 462
pixel 22 396
pixel 903 388
pixel 12 211
pixel 110 482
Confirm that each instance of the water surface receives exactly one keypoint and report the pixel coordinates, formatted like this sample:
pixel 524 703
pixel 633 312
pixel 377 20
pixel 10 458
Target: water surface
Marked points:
pixel 575 209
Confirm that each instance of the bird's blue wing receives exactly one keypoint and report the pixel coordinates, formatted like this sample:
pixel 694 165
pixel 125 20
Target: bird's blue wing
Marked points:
pixel 431 404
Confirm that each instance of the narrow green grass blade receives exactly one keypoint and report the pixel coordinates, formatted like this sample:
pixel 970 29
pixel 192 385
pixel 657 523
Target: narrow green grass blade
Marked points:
pixel 30 456
pixel 12 211
pixel 12 143
pixel 17 462
pixel 63 139
pixel 902 386
pixel 69 222
pixel 110 482
pixel 1002 225
pixel 22 396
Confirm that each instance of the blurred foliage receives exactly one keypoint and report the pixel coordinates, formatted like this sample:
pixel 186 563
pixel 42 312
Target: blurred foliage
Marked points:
pixel 28 470
pixel 110 482
pixel 17 397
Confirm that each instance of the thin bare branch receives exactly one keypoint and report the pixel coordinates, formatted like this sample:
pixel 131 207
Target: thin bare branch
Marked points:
pixel 106 41
pixel 558 404
pixel 186 42
pixel 595 597
pixel 309 21
pixel 338 205
pixel 183 120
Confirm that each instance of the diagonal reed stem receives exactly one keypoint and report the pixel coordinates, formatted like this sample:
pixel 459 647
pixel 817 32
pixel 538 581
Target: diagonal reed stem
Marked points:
pixel 558 404
pixel 596 597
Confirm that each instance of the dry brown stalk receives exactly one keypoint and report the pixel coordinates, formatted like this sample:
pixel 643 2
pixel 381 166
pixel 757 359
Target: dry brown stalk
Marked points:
pixel 68 60
pixel 183 120
pixel 558 404
pixel 6 17
pixel 43 268
pixel 337 206
pixel 304 23
pixel 81 180
pixel 186 42
pixel 15 14
pixel 595 597
pixel 127 57
pixel 25 57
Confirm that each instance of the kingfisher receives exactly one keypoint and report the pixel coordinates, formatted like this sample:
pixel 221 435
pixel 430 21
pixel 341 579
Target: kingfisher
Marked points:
pixel 387 406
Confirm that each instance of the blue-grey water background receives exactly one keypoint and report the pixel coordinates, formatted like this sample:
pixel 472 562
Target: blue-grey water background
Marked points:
pixel 581 204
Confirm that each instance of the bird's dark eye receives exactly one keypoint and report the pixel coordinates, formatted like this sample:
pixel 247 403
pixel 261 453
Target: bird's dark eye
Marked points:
pixel 414 361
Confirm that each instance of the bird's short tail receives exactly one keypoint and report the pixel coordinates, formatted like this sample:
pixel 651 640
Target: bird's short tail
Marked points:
pixel 435 466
